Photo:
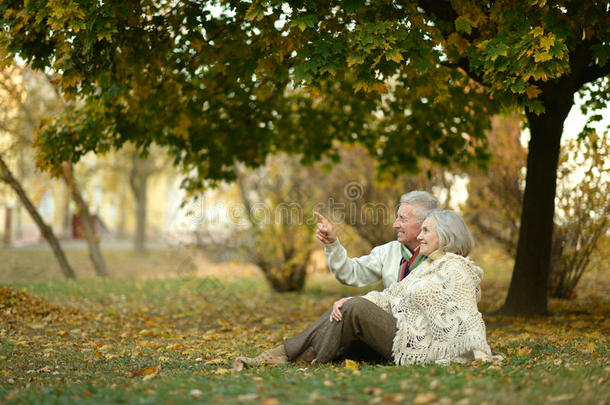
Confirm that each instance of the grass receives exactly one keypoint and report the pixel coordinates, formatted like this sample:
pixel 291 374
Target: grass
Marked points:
pixel 140 338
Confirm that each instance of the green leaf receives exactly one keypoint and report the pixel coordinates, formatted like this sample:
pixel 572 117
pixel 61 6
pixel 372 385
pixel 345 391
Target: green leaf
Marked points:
pixel 462 24
pixel 394 55
pixel 304 21
pixel 352 5
pixel 496 50
pixel 255 12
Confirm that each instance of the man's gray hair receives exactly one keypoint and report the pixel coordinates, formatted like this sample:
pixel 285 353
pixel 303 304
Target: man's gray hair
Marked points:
pixel 422 201
pixel 453 234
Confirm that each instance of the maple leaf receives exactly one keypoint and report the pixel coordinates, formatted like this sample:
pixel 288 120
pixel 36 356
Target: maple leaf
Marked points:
pixel 532 91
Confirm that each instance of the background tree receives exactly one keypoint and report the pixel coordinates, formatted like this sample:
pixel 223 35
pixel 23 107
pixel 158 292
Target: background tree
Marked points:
pixel 582 218
pixel 495 194
pixel 65 170
pixel 17 125
pixel 132 167
pixel 37 99
pixel 279 199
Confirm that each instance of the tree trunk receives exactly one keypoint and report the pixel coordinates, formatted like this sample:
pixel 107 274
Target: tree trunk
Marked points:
pixel 46 231
pixel 122 210
pixel 67 220
pixel 527 294
pixel 8 227
pixel 19 228
pixel 138 180
pixel 94 249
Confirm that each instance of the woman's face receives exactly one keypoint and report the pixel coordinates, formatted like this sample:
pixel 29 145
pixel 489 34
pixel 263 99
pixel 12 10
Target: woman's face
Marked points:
pixel 428 237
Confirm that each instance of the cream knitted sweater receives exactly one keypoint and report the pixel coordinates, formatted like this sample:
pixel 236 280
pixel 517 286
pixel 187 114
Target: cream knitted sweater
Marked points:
pixel 436 311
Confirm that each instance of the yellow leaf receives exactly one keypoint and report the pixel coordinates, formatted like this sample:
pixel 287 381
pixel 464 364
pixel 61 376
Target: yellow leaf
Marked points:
pixel 542 57
pixel 547 41
pixel 532 91
pixel 351 365
pixel 215 362
pixel 148 370
pixel 536 32
pixel 424 398
pixel 148 377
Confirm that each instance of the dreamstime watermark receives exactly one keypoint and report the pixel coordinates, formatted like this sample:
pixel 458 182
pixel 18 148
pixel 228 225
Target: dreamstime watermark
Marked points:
pixel 350 209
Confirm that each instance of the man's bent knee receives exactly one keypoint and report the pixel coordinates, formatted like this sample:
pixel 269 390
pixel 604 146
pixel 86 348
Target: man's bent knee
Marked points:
pixel 356 304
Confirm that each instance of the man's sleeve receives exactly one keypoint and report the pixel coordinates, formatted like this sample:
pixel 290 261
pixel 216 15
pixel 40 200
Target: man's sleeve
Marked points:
pixel 358 271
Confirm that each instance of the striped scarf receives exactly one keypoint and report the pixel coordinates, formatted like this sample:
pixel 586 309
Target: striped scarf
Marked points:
pixel 409 261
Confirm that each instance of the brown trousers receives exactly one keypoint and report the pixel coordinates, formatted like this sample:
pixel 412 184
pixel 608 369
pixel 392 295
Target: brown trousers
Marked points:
pixel 365 326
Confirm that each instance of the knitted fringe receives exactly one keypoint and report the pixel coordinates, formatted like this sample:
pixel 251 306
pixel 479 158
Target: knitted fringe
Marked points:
pixel 404 355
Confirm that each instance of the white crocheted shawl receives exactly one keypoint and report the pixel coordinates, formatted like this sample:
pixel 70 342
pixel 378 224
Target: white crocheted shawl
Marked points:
pixel 436 311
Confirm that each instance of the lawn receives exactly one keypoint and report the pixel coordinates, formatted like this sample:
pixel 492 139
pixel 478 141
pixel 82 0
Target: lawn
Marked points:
pixel 136 339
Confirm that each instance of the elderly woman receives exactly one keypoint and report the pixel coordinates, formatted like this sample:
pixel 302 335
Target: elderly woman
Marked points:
pixel 430 316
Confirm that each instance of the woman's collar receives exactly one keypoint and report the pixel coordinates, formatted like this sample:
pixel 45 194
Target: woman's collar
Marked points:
pixel 437 254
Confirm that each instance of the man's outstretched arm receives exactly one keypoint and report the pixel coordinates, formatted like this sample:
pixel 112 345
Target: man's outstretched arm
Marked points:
pixel 356 272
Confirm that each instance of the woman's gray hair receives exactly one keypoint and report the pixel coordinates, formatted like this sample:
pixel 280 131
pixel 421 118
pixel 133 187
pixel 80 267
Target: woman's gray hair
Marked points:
pixel 453 234
pixel 422 202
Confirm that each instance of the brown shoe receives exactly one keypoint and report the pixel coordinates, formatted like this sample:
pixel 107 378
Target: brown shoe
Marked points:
pixel 272 357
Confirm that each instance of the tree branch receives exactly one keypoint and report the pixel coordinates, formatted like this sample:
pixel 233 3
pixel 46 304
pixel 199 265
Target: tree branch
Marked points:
pixel 592 73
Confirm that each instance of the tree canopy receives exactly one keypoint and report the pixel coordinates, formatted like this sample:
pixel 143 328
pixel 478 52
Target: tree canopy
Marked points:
pixel 221 82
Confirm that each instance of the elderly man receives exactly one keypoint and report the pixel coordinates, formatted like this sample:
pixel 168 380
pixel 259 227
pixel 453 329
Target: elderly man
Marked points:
pixel 390 262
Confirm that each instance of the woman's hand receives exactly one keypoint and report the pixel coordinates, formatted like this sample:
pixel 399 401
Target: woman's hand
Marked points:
pixel 335 314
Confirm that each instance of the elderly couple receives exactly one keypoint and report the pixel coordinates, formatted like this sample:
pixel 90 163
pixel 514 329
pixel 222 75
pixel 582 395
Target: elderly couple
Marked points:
pixel 427 312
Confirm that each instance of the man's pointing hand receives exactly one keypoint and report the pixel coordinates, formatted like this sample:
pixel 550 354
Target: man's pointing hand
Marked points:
pixel 325 233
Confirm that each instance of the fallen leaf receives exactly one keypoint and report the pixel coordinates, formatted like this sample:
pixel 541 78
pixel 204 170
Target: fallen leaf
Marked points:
pixel 424 398
pixel 560 398
pixel 351 365
pixel 150 370
pixel 375 391
pixel 195 393
pixel 247 397
pixel 394 399
pixel 523 351
pixel 149 377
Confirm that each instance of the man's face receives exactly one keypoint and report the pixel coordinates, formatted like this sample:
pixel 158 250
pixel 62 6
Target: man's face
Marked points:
pixel 407 227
